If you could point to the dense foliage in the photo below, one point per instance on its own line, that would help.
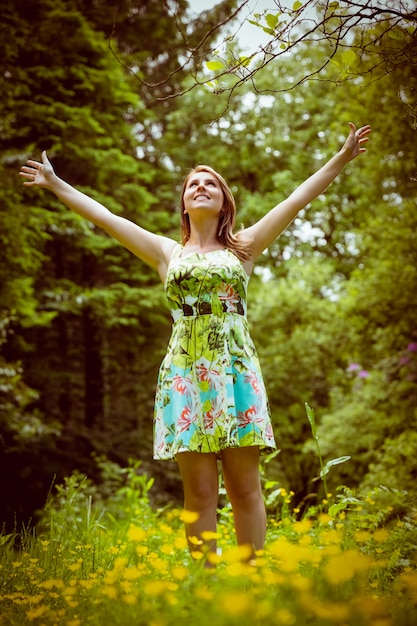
(83, 324)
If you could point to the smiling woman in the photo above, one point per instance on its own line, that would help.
(214, 228)
(211, 401)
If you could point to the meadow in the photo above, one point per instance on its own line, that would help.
(118, 560)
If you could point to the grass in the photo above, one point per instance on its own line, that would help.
(118, 561)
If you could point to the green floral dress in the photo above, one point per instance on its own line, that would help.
(210, 393)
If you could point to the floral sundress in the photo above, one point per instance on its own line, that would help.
(210, 392)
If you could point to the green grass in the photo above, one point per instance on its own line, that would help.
(118, 561)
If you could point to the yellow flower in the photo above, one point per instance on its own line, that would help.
(50, 584)
(87, 584)
(166, 549)
(180, 543)
(238, 553)
(110, 591)
(189, 517)
(235, 602)
(381, 535)
(195, 541)
(285, 617)
(155, 587)
(33, 614)
(165, 529)
(208, 535)
(136, 534)
(159, 564)
(203, 593)
(74, 567)
(361, 536)
(179, 572)
(343, 566)
(131, 573)
(129, 598)
(120, 562)
(324, 518)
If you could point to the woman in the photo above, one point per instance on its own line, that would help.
(210, 401)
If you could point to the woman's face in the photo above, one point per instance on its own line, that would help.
(203, 191)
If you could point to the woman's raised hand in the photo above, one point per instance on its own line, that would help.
(353, 145)
(38, 174)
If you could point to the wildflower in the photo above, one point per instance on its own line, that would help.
(179, 572)
(132, 573)
(74, 567)
(324, 518)
(412, 347)
(157, 587)
(120, 562)
(51, 583)
(110, 591)
(361, 536)
(238, 553)
(136, 534)
(189, 517)
(203, 593)
(195, 541)
(363, 374)
(343, 567)
(381, 535)
(180, 543)
(353, 367)
(33, 614)
(166, 549)
(207, 535)
(303, 526)
(235, 602)
(285, 617)
(129, 598)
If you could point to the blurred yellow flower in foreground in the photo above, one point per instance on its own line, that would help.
(189, 517)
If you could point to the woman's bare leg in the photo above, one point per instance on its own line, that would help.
(243, 486)
(200, 481)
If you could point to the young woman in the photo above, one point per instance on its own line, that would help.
(211, 402)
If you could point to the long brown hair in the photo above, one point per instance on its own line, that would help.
(227, 217)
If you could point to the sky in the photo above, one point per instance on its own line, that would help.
(250, 36)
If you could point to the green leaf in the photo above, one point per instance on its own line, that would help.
(255, 23)
(311, 419)
(349, 57)
(272, 20)
(396, 33)
(213, 66)
(297, 5)
(245, 60)
(329, 464)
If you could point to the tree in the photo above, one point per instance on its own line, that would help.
(364, 40)
(84, 323)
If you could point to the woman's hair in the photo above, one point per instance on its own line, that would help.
(227, 217)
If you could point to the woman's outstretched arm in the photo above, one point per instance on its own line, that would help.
(267, 229)
(154, 249)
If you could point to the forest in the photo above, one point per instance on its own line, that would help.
(126, 96)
